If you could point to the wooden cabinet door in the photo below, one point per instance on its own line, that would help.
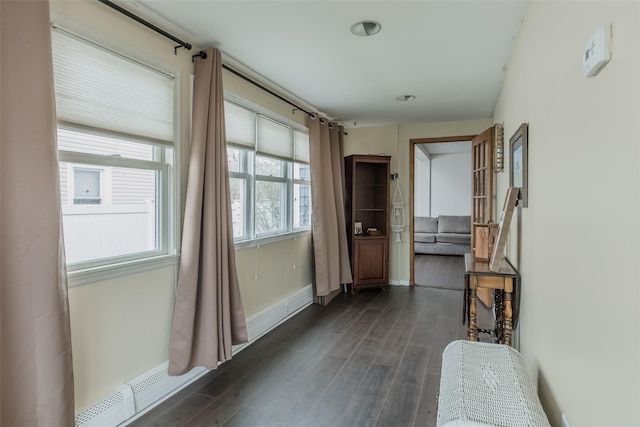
(371, 266)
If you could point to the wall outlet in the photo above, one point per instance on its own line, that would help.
(565, 421)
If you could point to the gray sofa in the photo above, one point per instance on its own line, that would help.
(444, 235)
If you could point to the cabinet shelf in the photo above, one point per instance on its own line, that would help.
(367, 205)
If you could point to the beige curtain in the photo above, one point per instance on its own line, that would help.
(208, 316)
(326, 155)
(35, 337)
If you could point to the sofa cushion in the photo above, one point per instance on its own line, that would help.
(424, 224)
(454, 224)
(425, 237)
(464, 239)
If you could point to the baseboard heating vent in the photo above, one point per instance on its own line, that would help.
(110, 411)
(156, 383)
(267, 319)
(299, 300)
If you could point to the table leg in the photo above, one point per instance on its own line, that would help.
(498, 297)
(508, 322)
(472, 333)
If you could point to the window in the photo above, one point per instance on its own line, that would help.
(301, 196)
(87, 185)
(116, 151)
(240, 189)
(268, 174)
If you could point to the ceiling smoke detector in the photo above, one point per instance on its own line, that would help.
(405, 98)
(366, 28)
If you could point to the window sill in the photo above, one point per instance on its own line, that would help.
(270, 239)
(112, 271)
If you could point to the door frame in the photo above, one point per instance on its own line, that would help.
(412, 148)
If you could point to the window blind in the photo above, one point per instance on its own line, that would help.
(274, 139)
(301, 147)
(99, 89)
(239, 125)
(246, 128)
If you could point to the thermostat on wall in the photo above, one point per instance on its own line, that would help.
(597, 51)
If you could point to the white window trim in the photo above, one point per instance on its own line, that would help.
(172, 234)
(300, 182)
(121, 269)
(259, 241)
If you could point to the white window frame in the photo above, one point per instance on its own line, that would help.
(250, 237)
(247, 175)
(286, 200)
(166, 163)
(305, 182)
(162, 187)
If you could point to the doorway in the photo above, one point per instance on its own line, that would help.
(440, 184)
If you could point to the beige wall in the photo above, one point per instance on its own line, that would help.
(120, 327)
(578, 247)
(396, 141)
(269, 273)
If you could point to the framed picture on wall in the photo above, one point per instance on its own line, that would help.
(518, 170)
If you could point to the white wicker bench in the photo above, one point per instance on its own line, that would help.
(486, 385)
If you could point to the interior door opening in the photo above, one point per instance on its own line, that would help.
(450, 176)
(442, 190)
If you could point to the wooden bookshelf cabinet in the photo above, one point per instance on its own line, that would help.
(367, 210)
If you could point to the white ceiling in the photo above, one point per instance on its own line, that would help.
(445, 148)
(450, 54)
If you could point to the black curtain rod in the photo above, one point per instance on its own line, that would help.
(203, 55)
(200, 54)
(269, 91)
(148, 25)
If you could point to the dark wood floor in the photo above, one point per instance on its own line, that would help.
(439, 271)
(370, 359)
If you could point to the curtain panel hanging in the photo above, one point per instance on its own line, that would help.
(208, 316)
(331, 254)
(35, 336)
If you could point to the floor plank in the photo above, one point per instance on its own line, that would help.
(301, 393)
(427, 411)
(365, 404)
(335, 398)
(440, 271)
(402, 400)
(178, 412)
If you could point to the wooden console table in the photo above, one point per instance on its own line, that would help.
(504, 285)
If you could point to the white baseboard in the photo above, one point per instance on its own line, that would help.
(399, 282)
(138, 396)
(270, 317)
